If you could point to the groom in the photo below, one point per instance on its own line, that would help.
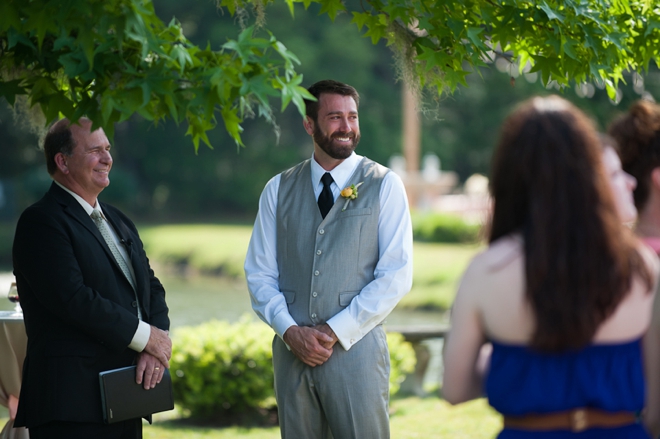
(325, 270)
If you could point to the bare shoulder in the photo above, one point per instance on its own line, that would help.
(501, 253)
(632, 315)
(496, 266)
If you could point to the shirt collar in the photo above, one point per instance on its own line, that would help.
(340, 174)
(85, 205)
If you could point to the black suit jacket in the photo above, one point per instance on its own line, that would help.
(79, 308)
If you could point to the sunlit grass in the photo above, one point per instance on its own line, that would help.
(437, 270)
(425, 418)
(209, 248)
(221, 249)
(411, 418)
(178, 430)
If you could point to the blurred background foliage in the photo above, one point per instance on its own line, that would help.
(157, 176)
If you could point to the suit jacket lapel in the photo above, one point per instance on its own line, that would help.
(72, 208)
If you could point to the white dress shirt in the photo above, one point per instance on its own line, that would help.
(143, 331)
(392, 275)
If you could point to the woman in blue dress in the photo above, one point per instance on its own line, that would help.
(560, 300)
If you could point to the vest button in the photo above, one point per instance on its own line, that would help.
(316, 273)
(314, 315)
(318, 252)
(314, 294)
(134, 304)
(321, 232)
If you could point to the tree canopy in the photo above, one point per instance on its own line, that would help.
(109, 59)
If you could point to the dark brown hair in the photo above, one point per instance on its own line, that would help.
(638, 134)
(328, 86)
(59, 139)
(549, 184)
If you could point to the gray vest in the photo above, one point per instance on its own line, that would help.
(324, 263)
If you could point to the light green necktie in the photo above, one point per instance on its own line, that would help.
(98, 220)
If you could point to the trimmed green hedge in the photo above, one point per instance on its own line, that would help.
(224, 371)
(402, 360)
(437, 227)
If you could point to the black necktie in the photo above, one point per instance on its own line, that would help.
(326, 200)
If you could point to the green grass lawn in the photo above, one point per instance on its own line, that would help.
(220, 250)
(411, 418)
(209, 248)
(437, 270)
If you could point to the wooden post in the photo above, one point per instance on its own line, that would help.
(411, 143)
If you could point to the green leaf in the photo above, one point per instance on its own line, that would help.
(473, 35)
(9, 90)
(172, 107)
(182, 57)
(232, 124)
(552, 14)
(653, 24)
(9, 16)
(332, 8)
(299, 96)
(376, 30)
(197, 128)
(260, 87)
(455, 77)
(569, 47)
(611, 89)
(87, 40)
(290, 5)
(361, 19)
(73, 64)
(107, 105)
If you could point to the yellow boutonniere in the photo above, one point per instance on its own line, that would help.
(350, 193)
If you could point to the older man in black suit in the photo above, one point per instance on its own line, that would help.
(90, 299)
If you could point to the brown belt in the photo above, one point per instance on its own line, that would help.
(576, 420)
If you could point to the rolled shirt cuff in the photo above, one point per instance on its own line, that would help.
(141, 337)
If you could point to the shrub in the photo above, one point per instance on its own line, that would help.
(402, 360)
(435, 227)
(224, 371)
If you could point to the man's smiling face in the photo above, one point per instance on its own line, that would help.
(337, 128)
(89, 165)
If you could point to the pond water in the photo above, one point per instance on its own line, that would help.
(198, 299)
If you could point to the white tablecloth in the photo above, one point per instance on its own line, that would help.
(13, 344)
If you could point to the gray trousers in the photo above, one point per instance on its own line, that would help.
(345, 398)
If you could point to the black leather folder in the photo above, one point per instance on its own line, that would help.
(122, 398)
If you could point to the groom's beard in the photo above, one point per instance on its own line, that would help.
(333, 148)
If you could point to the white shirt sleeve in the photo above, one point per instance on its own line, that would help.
(141, 337)
(261, 270)
(392, 275)
(393, 272)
